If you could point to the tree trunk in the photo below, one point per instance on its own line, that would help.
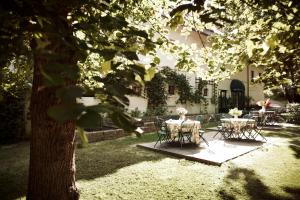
(52, 161)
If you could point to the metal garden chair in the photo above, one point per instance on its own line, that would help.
(185, 131)
(256, 131)
(201, 131)
(161, 130)
(225, 131)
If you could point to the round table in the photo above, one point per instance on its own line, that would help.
(175, 125)
(237, 123)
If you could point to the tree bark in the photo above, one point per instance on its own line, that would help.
(52, 161)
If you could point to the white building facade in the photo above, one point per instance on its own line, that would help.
(232, 92)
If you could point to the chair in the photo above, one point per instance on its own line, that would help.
(185, 131)
(162, 131)
(225, 115)
(247, 116)
(201, 131)
(255, 130)
(222, 129)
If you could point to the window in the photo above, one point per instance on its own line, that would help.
(205, 92)
(171, 89)
(252, 76)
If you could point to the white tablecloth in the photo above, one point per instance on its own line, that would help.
(175, 125)
(237, 123)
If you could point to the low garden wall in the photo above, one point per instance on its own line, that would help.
(113, 133)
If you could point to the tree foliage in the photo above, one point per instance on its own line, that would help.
(262, 33)
(104, 40)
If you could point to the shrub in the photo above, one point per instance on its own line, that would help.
(12, 123)
(136, 113)
(293, 110)
(158, 111)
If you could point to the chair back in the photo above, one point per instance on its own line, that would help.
(247, 116)
(186, 127)
(199, 118)
(203, 122)
(158, 123)
(225, 115)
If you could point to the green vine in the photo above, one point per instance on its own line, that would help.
(156, 92)
(156, 88)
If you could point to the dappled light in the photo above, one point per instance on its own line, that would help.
(150, 99)
(119, 169)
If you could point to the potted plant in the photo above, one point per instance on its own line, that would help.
(181, 112)
(235, 112)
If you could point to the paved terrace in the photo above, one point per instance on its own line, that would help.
(218, 151)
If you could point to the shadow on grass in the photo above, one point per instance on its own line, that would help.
(295, 146)
(254, 187)
(290, 132)
(14, 161)
(97, 160)
(107, 157)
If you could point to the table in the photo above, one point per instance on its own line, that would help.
(237, 125)
(265, 118)
(174, 126)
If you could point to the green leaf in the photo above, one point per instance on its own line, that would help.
(138, 32)
(250, 47)
(51, 79)
(65, 112)
(84, 139)
(138, 69)
(131, 55)
(150, 73)
(271, 41)
(90, 119)
(101, 108)
(122, 120)
(69, 94)
(265, 47)
(107, 54)
(139, 79)
(105, 67)
(156, 60)
(41, 44)
(55, 73)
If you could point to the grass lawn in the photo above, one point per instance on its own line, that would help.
(117, 169)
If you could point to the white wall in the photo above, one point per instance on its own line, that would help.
(140, 103)
(255, 90)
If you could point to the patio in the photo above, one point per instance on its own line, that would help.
(218, 151)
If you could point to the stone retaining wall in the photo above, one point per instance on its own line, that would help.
(96, 136)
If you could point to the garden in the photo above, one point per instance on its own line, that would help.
(149, 99)
(117, 169)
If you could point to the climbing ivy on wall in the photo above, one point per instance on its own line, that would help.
(156, 91)
(181, 84)
(156, 88)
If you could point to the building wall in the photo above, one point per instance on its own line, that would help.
(137, 102)
(255, 90)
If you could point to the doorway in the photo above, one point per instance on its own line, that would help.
(223, 102)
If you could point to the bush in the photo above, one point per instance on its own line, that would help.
(158, 111)
(136, 113)
(12, 123)
(293, 110)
